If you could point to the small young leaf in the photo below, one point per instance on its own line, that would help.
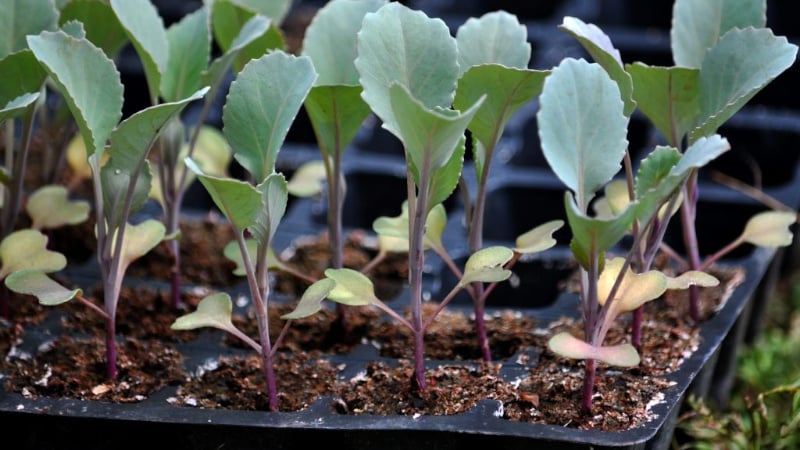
(237, 199)
(769, 229)
(595, 235)
(568, 346)
(692, 278)
(397, 227)
(139, 240)
(312, 298)
(352, 287)
(231, 251)
(538, 239)
(49, 207)
(486, 265)
(635, 290)
(308, 180)
(274, 197)
(212, 311)
(27, 249)
(37, 283)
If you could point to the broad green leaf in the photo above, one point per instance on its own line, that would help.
(352, 287)
(336, 113)
(18, 106)
(698, 24)
(190, 47)
(308, 179)
(37, 283)
(330, 40)
(538, 239)
(494, 38)
(101, 24)
(228, 18)
(274, 196)
(429, 135)
(446, 178)
(594, 236)
(599, 46)
(212, 311)
(27, 249)
(275, 9)
(145, 29)
(506, 89)
(49, 207)
(769, 229)
(741, 64)
(486, 265)
(692, 278)
(252, 29)
(238, 200)
(400, 45)
(312, 298)
(261, 105)
(22, 75)
(139, 239)
(20, 18)
(568, 346)
(582, 127)
(668, 96)
(701, 152)
(635, 289)
(130, 144)
(88, 81)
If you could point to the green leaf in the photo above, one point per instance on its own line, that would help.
(445, 179)
(735, 70)
(145, 29)
(18, 106)
(635, 289)
(254, 28)
(654, 169)
(27, 249)
(238, 200)
(139, 239)
(668, 96)
(582, 127)
(20, 18)
(506, 89)
(622, 355)
(275, 10)
(190, 47)
(352, 287)
(274, 196)
(312, 298)
(397, 227)
(37, 283)
(539, 238)
(49, 207)
(102, 26)
(330, 40)
(599, 46)
(87, 79)
(494, 38)
(22, 76)
(336, 113)
(308, 179)
(486, 265)
(692, 278)
(698, 24)
(229, 17)
(429, 136)
(212, 311)
(261, 106)
(769, 229)
(594, 236)
(400, 45)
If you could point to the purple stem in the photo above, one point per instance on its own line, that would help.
(111, 347)
(589, 374)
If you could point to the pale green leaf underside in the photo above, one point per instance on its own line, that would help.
(312, 298)
(37, 283)
(539, 238)
(582, 127)
(486, 265)
(692, 278)
(87, 79)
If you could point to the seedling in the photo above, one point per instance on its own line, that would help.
(260, 107)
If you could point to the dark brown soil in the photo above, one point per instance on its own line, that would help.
(550, 393)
